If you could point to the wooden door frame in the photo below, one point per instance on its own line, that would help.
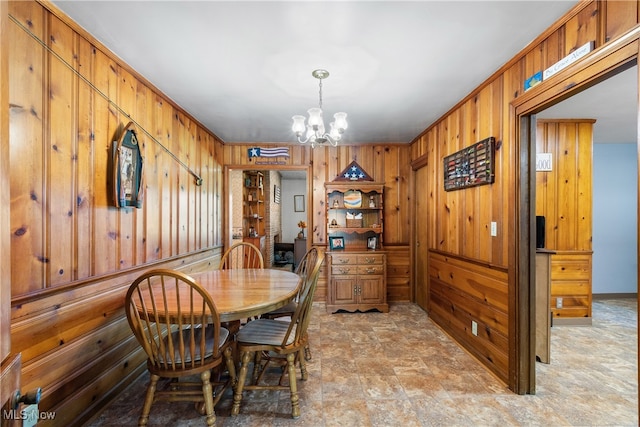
(417, 164)
(610, 59)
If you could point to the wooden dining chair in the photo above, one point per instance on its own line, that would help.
(242, 255)
(303, 269)
(276, 338)
(177, 324)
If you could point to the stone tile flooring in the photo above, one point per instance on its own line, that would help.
(400, 369)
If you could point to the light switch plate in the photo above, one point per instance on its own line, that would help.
(494, 228)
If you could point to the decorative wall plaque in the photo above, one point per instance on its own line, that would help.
(127, 170)
(471, 166)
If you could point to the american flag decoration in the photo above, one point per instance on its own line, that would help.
(268, 152)
(353, 172)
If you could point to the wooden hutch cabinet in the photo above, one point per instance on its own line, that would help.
(253, 209)
(356, 262)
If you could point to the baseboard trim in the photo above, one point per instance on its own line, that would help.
(614, 296)
(571, 321)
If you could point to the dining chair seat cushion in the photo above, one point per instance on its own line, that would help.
(197, 334)
(284, 310)
(265, 331)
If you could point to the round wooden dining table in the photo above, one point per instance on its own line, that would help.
(244, 293)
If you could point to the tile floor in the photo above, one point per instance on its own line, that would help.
(400, 369)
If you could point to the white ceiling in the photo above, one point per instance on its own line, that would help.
(244, 68)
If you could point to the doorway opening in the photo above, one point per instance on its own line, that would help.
(264, 206)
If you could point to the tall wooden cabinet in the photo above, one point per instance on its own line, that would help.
(253, 209)
(356, 262)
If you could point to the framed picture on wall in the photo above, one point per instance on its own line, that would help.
(336, 242)
(276, 194)
(372, 243)
(298, 203)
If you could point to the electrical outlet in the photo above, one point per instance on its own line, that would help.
(474, 328)
(494, 228)
(558, 302)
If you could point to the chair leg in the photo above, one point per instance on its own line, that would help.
(303, 365)
(307, 353)
(231, 365)
(207, 392)
(148, 400)
(242, 376)
(291, 366)
(257, 368)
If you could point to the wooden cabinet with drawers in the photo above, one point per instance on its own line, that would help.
(357, 281)
(355, 259)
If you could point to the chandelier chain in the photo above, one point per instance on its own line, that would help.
(320, 97)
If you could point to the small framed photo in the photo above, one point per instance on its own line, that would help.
(298, 203)
(336, 242)
(372, 243)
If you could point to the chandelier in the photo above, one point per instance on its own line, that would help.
(315, 131)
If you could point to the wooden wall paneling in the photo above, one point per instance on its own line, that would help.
(462, 292)
(193, 161)
(84, 200)
(582, 28)
(470, 200)
(571, 281)
(619, 17)
(165, 178)
(181, 201)
(398, 274)
(584, 192)
(73, 359)
(434, 182)
(545, 181)
(142, 114)
(501, 202)
(550, 192)
(26, 119)
(404, 195)
(219, 191)
(105, 123)
(567, 183)
(149, 217)
(51, 329)
(60, 157)
(392, 203)
(201, 166)
(93, 388)
(173, 145)
(320, 168)
(453, 205)
(126, 100)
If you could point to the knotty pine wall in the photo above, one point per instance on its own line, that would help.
(73, 255)
(564, 196)
(472, 275)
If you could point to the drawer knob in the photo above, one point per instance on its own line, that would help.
(370, 260)
(344, 260)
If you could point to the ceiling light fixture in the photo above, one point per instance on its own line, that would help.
(315, 131)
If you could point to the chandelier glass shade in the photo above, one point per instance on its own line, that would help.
(314, 131)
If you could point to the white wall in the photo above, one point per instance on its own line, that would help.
(615, 258)
(290, 188)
